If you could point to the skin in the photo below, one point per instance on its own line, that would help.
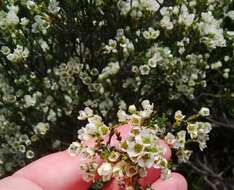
(60, 171)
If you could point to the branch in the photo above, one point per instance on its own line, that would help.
(220, 124)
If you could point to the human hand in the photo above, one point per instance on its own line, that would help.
(60, 171)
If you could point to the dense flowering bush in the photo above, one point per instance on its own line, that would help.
(58, 57)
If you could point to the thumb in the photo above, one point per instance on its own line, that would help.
(112, 185)
(175, 182)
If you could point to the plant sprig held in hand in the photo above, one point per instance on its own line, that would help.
(129, 159)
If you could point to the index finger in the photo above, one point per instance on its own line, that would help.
(58, 171)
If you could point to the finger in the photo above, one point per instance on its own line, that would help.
(18, 183)
(112, 185)
(175, 182)
(58, 171)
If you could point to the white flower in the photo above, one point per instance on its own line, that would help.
(25, 53)
(40, 25)
(114, 156)
(118, 171)
(103, 130)
(216, 65)
(122, 116)
(74, 149)
(54, 6)
(30, 4)
(144, 69)
(151, 33)
(86, 113)
(87, 153)
(179, 116)
(91, 128)
(132, 109)
(145, 114)
(134, 149)
(88, 177)
(44, 45)
(146, 160)
(192, 130)
(41, 128)
(52, 115)
(146, 105)
(152, 62)
(186, 18)
(111, 69)
(29, 101)
(105, 169)
(111, 47)
(165, 173)
(24, 21)
(211, 30)
(166, 23)
(88, 132)
(153, 5)
(204, 127)
(5, 50)
(230, 14)
(180, 139)
(12, 18)
(183, 155)
(95, 119)
(170, 139)
(145, 137)
(204, 111)
(161, 163)
(88, 170)
(136, 120)
(30, 154)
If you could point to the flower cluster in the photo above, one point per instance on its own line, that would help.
(20, 54)
(128, 159)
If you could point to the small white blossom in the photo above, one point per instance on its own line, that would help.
(86, 113)
(122, 116)
(151, 34)
(134, 149)
(204, 111)
(12, 18)
(170, 139)
(186, 18)
(54, 6)
(230, 14)
(180, 139)
(41, 128)
(105, 170)
(132, 109)
(183, 155)
(29, 100)
(74, 149)
(146, 160)
(165, 174)
(166, 23)
(179, 116)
